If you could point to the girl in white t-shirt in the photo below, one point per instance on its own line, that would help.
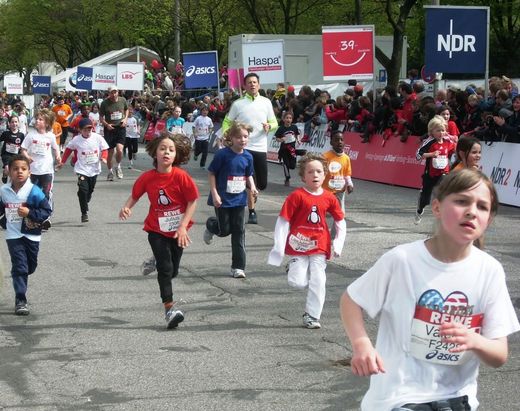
(444, 308)
(38, 147)
(132, 137)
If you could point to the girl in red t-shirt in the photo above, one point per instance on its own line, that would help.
(173, 197)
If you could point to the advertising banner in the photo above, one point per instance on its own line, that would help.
(84, 78)
(41, 85)
(103, 77)
(13, 84)
(348, 52)
(264, 58)
(456, 39)
(130, 76)
(500, 163)
(200, 69)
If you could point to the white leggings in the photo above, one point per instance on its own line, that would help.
(309, 271)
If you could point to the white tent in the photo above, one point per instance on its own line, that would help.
(136, 53)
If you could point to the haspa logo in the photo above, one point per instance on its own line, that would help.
(111, 77)
(37, 84)
(83, 77)
(199, 70)
(128, 75)
(264, 61)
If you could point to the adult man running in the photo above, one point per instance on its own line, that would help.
(257, 112)
(113, 114)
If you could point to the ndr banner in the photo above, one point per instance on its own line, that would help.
(13, 85)
(200, 69)
(348, 52)
(264, 58)
(456, 39)
(41, 85)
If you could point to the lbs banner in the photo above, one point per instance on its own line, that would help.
(200, 69)
(456, 39)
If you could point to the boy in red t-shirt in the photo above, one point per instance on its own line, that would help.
(302, 233)
(437, 150)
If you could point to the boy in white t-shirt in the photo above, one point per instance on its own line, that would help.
(38, 147)
(90, 150)
(202, 129)
(132, 136)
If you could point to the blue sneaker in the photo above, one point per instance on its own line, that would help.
(173, 318)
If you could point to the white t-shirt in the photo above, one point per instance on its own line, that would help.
(132, 130)
(95, 118)
(40, 148)
(202, 126)
(412, 290)
(22, 123)
(88, 153)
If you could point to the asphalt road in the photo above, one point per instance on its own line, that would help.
(96, 338)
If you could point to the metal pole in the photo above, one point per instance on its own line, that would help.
(177, 46)
(435, 81)
(486, 74)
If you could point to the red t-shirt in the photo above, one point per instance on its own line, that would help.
(169, 194)
(306, 213)
(441, 164)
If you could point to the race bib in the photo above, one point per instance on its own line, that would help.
(40, 147)
(170, 221)
(236, 184)
(426, 343)
(90, 157)
(61, 113)
(301, 243)
(116, 116)
(11, 213)
(337, 183)
(440, 162)
(12, 148)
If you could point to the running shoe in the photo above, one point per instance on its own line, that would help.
(238, 273)
(110, 175)
(148, 266)
(119, 172)
(252, 218)
(311, 322)
(208, 236)
(21, 308)
(84, 218)
(418, 217)
(173, 318)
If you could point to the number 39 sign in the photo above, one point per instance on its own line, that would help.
(348, 52)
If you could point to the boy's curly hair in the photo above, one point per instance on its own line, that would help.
(307, 158)
(182, 147)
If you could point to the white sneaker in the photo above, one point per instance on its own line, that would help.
(238, 273)
(110, 175)
(173, 318)
(418, 217)
(119, 172)
(311, 322)
(131, 164)
(148, 266)
(208, 236)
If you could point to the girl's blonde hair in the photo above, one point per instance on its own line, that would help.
(234, 131)
(48, 116)
(435, 123)
(463, 180)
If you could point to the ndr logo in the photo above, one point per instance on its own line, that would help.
(455, 42)
(199, 70)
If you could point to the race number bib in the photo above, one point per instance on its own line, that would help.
(337, 183)
(40, 147)
(116, 116)
(301, 243)
(170, 221)
(61, 113)
(426, 343)
(236, 184)
(11, 213)
(440, 162)
(90, 157)
(12, 148)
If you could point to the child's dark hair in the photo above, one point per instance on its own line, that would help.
(307, 158)
(336, 134)
(234, 130)
(464, 145)
(182, 147)
(462, 180)
(19, 157)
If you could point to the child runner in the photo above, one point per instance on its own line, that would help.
(469, 151)
(202, 129)
(287, 135)
(301, 232)
(4, 119)
(437, 150)
(230, 172)
(90, 150)
(173, 197)
(444, 308)
(132, 136)
(12, 139)
(338, 179)
(38, 148)
(23, 207)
